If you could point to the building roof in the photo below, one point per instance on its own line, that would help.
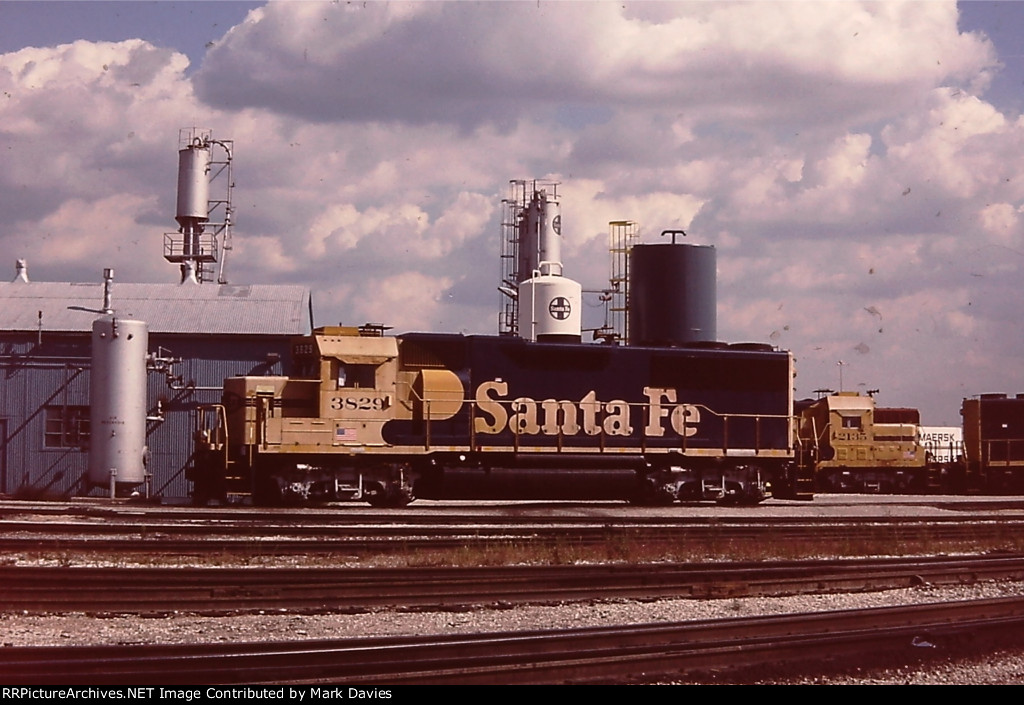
(254, 309)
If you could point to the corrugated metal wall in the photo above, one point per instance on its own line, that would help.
(55, 375)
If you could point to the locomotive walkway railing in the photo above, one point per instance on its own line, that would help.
(522, 420)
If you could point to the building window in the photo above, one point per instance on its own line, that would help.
(66, 427)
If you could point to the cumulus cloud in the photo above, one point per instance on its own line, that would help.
(500, 61)
(842, 157)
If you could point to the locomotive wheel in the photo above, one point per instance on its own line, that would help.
(391, 496)
(738, 497)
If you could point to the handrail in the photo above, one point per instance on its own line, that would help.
(602, 435)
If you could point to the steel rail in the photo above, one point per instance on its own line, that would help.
(309, 526)
(150, 590)
(368, 539)
(512, 512)
(581, 655)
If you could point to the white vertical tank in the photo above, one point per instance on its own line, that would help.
(193, 183)
(549, 308)
(193, 195)
(117, 401)
(549, 304)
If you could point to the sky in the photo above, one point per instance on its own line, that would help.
(853, 163)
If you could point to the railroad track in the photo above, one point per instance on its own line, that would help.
(612, 654)
(511, 513)
(270, 538)
(151, 590)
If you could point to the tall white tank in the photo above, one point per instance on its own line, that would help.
(549, 309)
(193, 183)
(117, 401)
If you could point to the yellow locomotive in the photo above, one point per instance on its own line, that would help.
(855, 446)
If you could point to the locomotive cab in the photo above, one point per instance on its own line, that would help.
(859, 447)
(306, 437)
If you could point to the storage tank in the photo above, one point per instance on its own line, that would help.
(549, 309)
(193, 196)
(193, 183)
(117, 402)
(540, 235)
(672, 294)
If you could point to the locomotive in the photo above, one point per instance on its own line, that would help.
(855, 446)
(381, 418)
(385, 418)
(852, 445)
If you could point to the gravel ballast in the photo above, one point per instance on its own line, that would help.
(1002, 667)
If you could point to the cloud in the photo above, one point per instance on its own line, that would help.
(841, 157)
(82, 237)
(470, 63)
(84, 120)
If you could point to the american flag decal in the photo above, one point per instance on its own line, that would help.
(342, 435)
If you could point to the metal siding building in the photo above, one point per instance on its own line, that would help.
(45, 340)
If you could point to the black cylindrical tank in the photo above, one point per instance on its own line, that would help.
(672, 294)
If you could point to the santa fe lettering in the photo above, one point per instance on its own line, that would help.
(552, 417)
